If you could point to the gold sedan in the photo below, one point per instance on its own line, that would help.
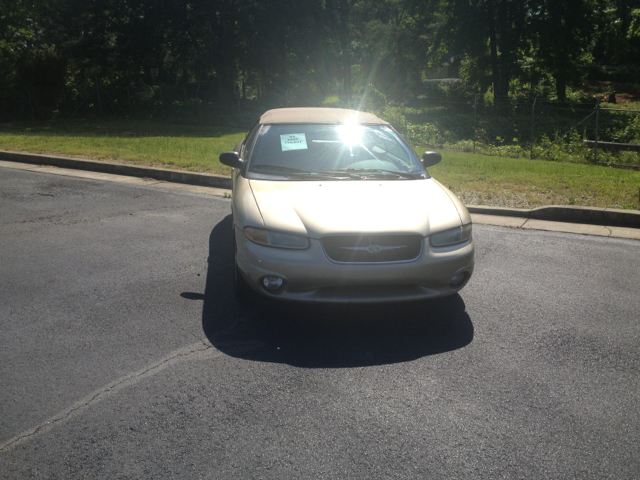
(333, 205)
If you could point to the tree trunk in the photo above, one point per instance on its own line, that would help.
(226, 81)
(244, 84)
(561, 85)
(505, 79)
(493, 45)
(505, 46)
(346, 50)
(347, 80)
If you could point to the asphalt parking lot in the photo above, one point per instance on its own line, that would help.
(123, 354)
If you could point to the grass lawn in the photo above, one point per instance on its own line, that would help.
(184, 147)
(517, 182)
(477, 179)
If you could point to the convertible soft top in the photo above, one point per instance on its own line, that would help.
(327, 116)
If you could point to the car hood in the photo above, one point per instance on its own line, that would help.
(316, 208)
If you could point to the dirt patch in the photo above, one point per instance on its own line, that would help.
(624, 93)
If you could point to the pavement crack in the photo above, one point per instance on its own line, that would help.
(198, 350)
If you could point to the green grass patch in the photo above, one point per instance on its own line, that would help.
(518, 182)
(476, 179)
(184, 147)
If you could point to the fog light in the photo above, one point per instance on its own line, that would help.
(272, 283)
(458, 279)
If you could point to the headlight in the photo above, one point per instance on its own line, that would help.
(275, 239)
(451, 236)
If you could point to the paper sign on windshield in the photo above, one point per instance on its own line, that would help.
(293, 141)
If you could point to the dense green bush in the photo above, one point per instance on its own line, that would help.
(558, 129)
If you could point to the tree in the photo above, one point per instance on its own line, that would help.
(32, 66)
(562, 37)
(617, 32)
(489, 32)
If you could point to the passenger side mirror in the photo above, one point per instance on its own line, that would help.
(231, 159)
(429, 159)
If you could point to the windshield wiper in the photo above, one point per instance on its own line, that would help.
(364, 171)
(280, 168)
(358, 173)
(299, 173)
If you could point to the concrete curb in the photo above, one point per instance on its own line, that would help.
(557, 213)
(567, 213)
(176, 176)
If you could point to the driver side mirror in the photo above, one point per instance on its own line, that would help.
(231, 159)
(429, 159)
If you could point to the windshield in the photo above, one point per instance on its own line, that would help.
(301, 152)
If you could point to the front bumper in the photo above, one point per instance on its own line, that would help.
(309, 275)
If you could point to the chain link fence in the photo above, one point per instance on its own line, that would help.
(516, 127)
(202, 103)
(533, 128)
(192, 103)
(617, 138)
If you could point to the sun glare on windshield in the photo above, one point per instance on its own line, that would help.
(350, 134)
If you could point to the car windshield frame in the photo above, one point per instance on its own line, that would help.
(309, 151)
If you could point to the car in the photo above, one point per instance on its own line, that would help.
(333, 205)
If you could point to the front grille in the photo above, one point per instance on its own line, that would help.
(372, 248)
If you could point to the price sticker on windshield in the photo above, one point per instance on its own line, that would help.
(293, 141)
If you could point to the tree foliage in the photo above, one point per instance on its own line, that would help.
(311, 47)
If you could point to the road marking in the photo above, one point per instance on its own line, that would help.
(200, 350)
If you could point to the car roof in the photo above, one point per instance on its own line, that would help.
(328, 116)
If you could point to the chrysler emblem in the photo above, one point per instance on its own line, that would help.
(373, 249)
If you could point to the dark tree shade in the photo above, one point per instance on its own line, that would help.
(305, 49)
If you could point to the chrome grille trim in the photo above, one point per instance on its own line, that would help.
(356, 249)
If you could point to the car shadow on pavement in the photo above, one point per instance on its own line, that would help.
(323, 336)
